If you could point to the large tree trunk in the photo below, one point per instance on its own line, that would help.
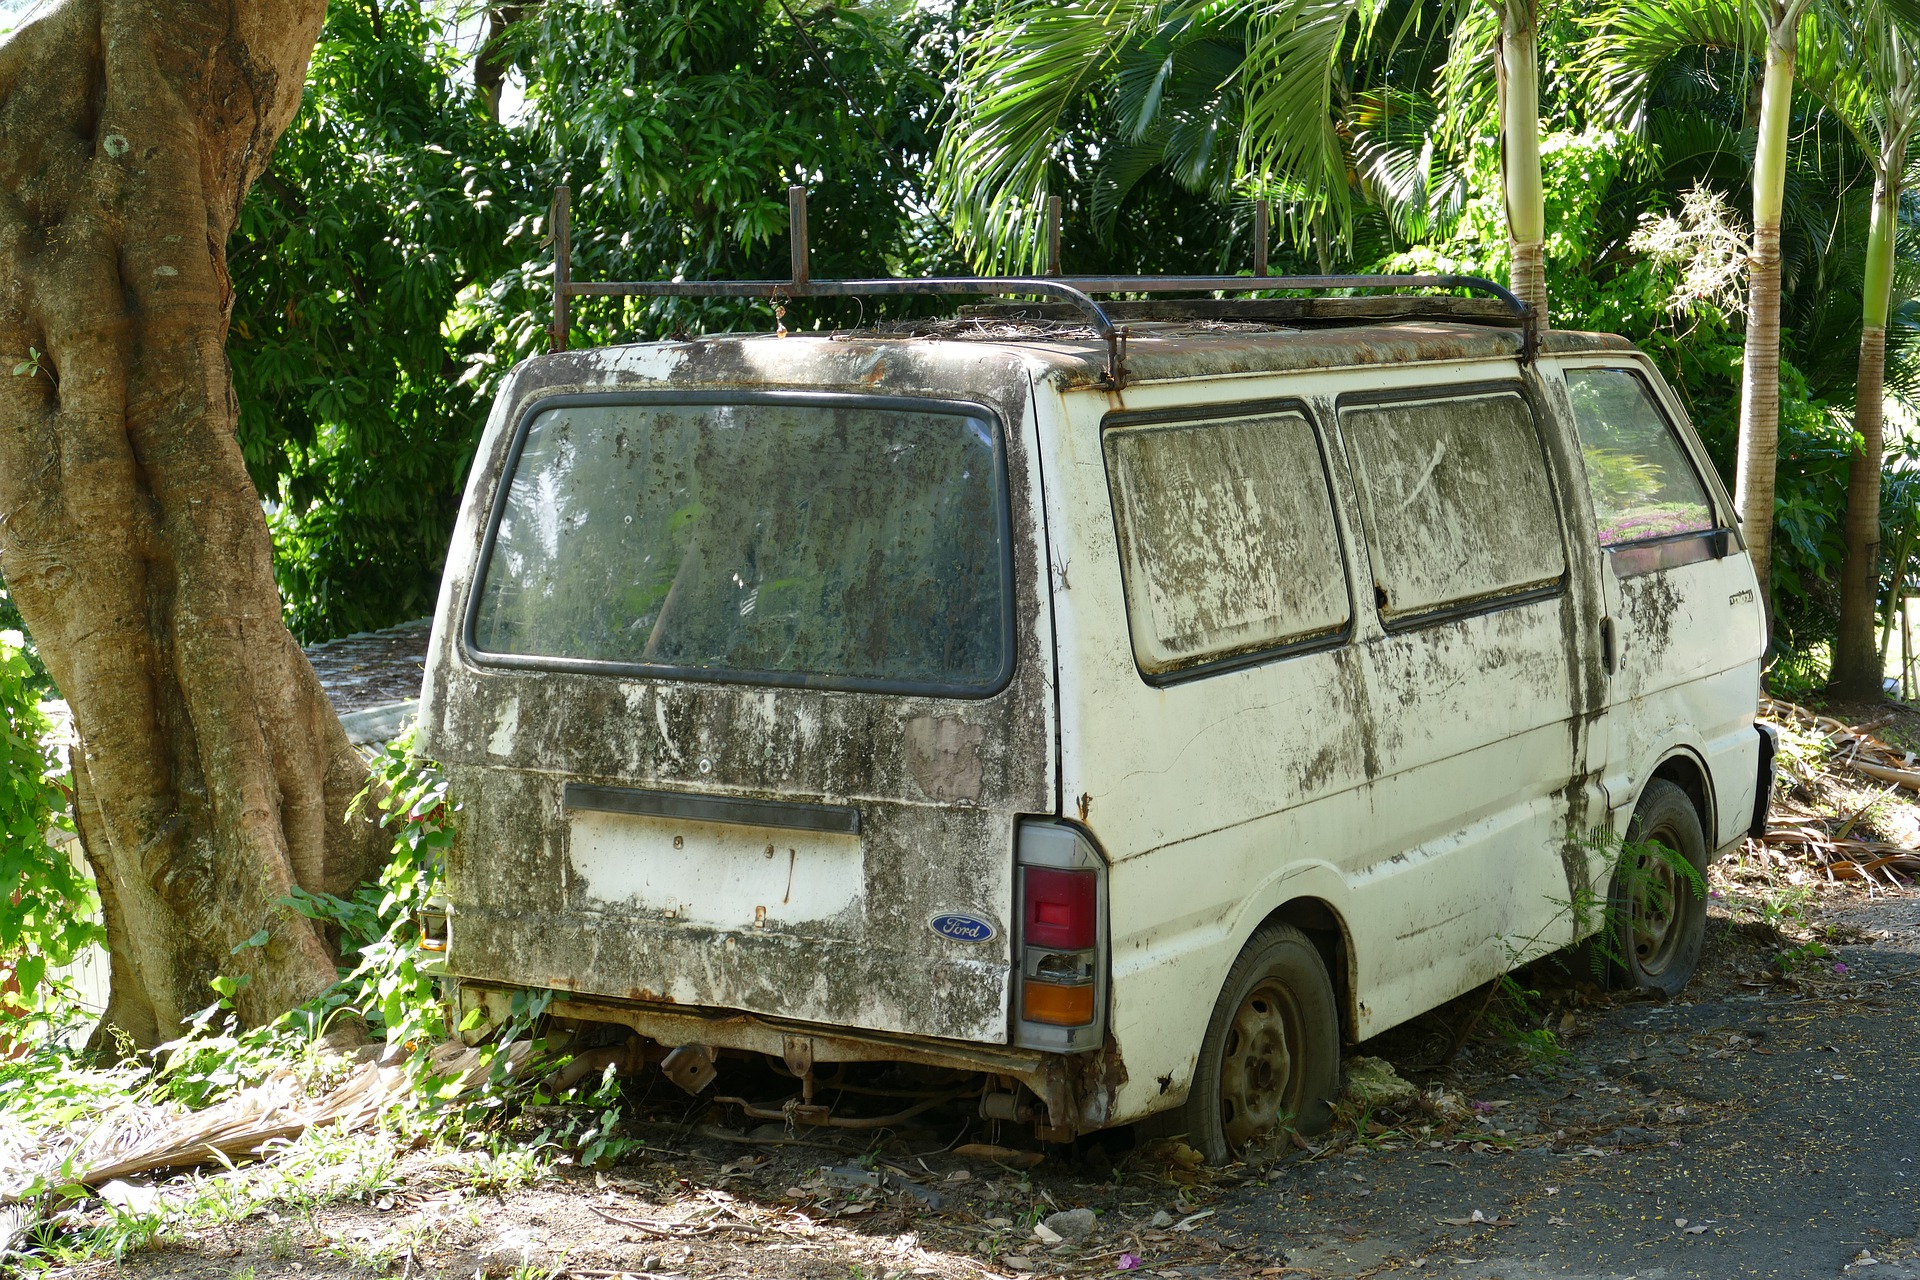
(1857, 666)
(1518, 66)
(1759, 447)
(213, 777)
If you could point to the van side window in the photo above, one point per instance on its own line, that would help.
(1227, 539)
(1642, 483)
(1455, 498)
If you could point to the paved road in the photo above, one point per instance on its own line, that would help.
(1782, 1127)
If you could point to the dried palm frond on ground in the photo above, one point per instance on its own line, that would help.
(139, 1136)
(1817, 812)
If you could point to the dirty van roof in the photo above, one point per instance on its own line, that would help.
(1154, 350)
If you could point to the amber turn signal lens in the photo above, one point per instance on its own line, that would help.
(1057, 1006)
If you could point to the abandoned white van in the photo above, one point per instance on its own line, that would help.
(1127, 723)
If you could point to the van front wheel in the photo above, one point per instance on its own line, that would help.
(1271, 1059)
(1658, 893)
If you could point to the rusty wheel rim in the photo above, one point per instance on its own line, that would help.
(1259, 1085)
(1654, 902)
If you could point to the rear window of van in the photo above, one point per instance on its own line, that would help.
(801, 540)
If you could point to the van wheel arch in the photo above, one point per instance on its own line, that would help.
(1327, 930)
(1685, 771)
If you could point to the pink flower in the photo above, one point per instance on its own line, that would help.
(1128, 1261)
(1838, 967)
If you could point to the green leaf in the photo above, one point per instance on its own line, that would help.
(259, 939)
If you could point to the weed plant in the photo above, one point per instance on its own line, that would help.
(1595, 918)
(52, 913)
(389, 991)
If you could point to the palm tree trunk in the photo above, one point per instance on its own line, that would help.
(1519, 70)
(1856, 668)
(1760, 386)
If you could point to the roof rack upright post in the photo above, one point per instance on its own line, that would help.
(797, 229)
(1262, 211)
(559, 230)
(1053, 235)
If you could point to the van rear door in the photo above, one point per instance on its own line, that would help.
(749, 689)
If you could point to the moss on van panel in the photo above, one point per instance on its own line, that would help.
(938, 781)
(523, 913)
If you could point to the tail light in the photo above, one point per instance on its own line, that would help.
(1060, 991)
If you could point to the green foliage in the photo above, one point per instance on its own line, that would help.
(386, 979)
(386, 209)
(393, 983)
(679, 127)
(10, 620)
(48, 909)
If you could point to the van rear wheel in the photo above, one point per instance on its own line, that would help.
(1271, 1059)
(1660, 909)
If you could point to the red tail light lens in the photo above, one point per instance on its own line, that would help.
(1061, 909)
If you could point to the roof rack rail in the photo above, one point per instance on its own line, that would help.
(1074, 291)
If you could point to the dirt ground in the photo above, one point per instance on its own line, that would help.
(1763, 1124)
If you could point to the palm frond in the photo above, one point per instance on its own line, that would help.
(1393, 143)
(1293, 91)
(1631, 40)
(1033, 65)
(1469, 89)
(1174, 107)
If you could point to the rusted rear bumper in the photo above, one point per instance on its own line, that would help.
(1047, 1075)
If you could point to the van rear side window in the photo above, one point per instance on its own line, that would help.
(1456, 500)
(1227, 538)
(832, 541)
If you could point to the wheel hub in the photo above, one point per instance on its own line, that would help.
(1653, 902)
(1258, 1083)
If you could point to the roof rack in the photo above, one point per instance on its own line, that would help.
(1074, 291)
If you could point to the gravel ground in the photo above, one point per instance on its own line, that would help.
(1761, 1133)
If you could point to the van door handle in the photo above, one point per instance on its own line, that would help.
(1606, 643)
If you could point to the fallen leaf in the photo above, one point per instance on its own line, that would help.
(1186, 1223)
(1173, 1151)
(1046, 1234)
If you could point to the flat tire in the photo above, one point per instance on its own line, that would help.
(1271, 1059)
(1659, 911)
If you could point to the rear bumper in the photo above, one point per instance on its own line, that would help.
(1048, 1075)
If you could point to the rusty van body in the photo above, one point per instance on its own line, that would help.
(932, 699)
